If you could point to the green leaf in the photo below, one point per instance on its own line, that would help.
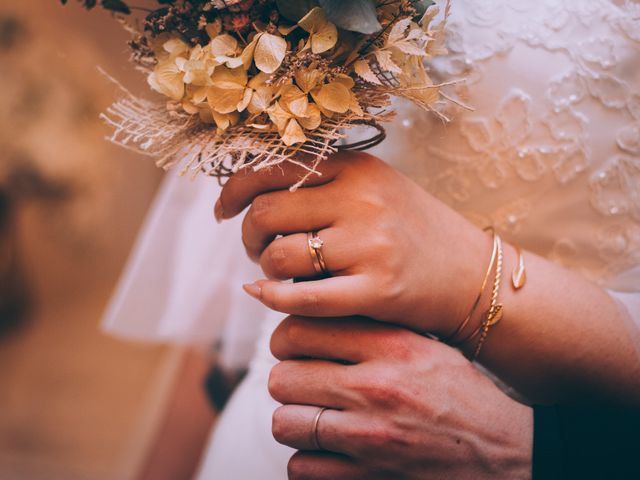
(294, 10)
(353, 15)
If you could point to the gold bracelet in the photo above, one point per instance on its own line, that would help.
(494, 314)
(463, 325)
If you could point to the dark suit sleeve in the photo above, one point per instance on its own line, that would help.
(586, 443)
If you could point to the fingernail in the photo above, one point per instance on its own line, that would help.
(218, 211)
(253, 289)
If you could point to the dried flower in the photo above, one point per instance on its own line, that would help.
(274, 77)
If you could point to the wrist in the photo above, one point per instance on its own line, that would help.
(474, 277)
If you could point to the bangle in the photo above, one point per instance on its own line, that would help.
(494, 254)
(494, 314)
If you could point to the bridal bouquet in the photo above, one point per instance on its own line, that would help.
(256, 83)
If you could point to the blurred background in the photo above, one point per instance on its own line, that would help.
(74, 403)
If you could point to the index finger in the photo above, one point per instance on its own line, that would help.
(244, 186)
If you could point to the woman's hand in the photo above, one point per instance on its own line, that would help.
(398, 406)
(399, 255)
(395, 253)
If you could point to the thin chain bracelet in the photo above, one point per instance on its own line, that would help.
(494, 314)
(451, 339)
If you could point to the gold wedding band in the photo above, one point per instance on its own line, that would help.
(314, 430)
(315, 245)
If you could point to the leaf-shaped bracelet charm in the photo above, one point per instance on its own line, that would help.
(519, 274)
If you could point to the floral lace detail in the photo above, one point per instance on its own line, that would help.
(566, 69)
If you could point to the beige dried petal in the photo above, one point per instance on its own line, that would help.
(246, 98)
(270, 52)
(308, 78)
(197, 73)
(225, 77)
(294, 100)
(189, 107)
(334, 97)
(198, 94)
(224, 100)
(260, 100)
(323, 33)
(279, 116)
(363, 70)
(231, 62)
(206, 116)
(293, 134)
(260, 126)
(224, 44)
(285, 30)
(313, 118)
(167, 79)
(259, 80)
(222, 121)
(345, 80)
(175, 46)
(248, 52)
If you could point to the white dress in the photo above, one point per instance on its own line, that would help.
(550, 156)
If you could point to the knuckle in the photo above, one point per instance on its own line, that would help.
(384, 390)
(380, 438)
(276, 261)
(390, 288)
(260, 211)
(399, 343)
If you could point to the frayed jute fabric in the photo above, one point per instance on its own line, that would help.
(177, 139)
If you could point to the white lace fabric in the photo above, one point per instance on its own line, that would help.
(551, 153)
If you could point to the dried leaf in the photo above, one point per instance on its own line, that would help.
(363, 70)
(410, 48)
(397, 31)
(384, 59)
